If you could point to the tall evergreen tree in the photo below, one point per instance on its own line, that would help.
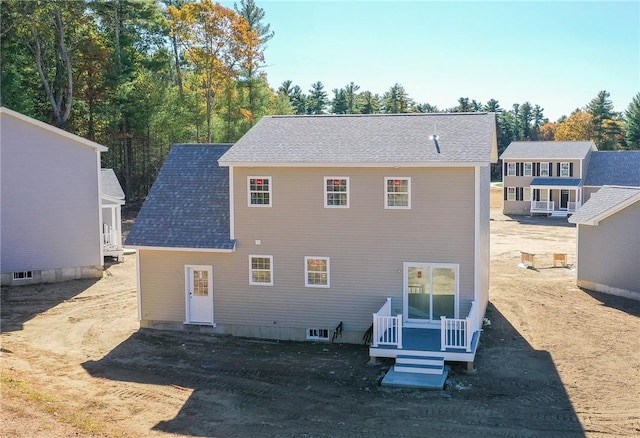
(317, 100)
(601, 110)
(632, 123)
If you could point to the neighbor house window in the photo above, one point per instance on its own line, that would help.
(544, 169)
(259, 191)
(261, 270)
(336, 192)
(528, 169)
(397, 192)
(318, 334)
(23, 275)
(316, 272)
(565, 169)
(526, 194)
(511, 193)
(511, 169)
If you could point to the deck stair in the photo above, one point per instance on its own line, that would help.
(559, 213)
(417, 371)
(419, 364)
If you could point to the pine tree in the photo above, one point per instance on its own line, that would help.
(632, 123)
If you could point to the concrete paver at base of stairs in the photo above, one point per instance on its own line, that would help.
(415, 380)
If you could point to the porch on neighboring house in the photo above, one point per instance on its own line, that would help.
(111, 230)
(421, 352)
(555, 196)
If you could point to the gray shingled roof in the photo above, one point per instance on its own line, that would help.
(110, 184)
(367, 139)
(614, 168)
(188, 204)
(556, 182)
(534, 150)
(603, 201)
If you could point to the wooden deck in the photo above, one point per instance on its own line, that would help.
(426, 342)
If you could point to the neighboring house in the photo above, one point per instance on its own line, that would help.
(112, 202)
(544, 176)
(50, 216)
(608, 242)
(611, 168)
(323, 227)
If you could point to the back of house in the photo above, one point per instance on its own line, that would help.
(309, 223)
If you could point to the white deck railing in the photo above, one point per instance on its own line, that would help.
(541, 205)
(111, 237)
(458, 333)
(571, 206)
(387, 329)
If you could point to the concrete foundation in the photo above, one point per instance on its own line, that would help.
(53, 275)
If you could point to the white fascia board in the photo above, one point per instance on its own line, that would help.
(180, 249)
(53, 129)
(355, 164)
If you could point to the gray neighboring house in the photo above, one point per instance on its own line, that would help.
(544, 177)
(327, 227)
(611, 168)
(50, 215)
(113, 199)
(608, 242)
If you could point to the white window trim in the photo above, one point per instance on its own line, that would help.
(526, 194)
(544, 168)
(315, 333)
(256, 283)
(249, 178)
(23, 275)
(324, 189)
(562, 164)
(387, 193)
(511, 191)
(306, 272)
(511, 169)
(524, 169)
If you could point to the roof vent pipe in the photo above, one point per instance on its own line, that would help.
(434, 137)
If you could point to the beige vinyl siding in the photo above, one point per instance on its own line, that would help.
(608, 253)
(366, 243)
(50, 215)
(484, 232)
(588, 191)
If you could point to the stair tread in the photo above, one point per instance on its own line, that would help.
(419, 365)
(412, 356)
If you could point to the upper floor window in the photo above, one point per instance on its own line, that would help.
(316, 271)
(259, 191)
(565, 169)
(511, 169)
(336, 192)
(528, 169)
(544, 169)
(397, 192)
(261, 270)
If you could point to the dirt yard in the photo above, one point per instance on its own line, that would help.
(555, 361)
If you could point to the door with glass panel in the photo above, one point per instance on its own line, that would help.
(199, 285)
(430, 291)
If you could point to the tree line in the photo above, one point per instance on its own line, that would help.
(140, 75)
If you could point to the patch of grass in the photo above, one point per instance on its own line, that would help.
(21, 391)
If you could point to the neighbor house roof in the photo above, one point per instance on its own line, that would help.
(620, 168)
(605, 202)
(555, 182)
(57, 131)
(110, 184)
(540, 150)
(188, 204)
(368, 140)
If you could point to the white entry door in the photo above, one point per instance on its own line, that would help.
(199, 292)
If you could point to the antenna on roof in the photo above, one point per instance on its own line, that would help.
(434, 137)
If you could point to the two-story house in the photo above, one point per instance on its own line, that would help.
(544, 176)
(327, 228)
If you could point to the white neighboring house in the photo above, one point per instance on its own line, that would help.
(609, 241)
(51, 208)
(112, 201)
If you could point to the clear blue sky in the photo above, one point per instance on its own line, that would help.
(557, 54)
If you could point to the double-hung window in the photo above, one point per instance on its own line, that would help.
(511, 193)
(565, 169)
(397, 192)
(316, 272)
(511, 169)
(259, 189)
(544, 169)
(526, 194)
(336, 192)
(528, 169)
(261, 270)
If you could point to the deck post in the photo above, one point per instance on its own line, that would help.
(399, 323)
(443, 334)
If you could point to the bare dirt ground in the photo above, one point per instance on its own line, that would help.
(555, 361)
